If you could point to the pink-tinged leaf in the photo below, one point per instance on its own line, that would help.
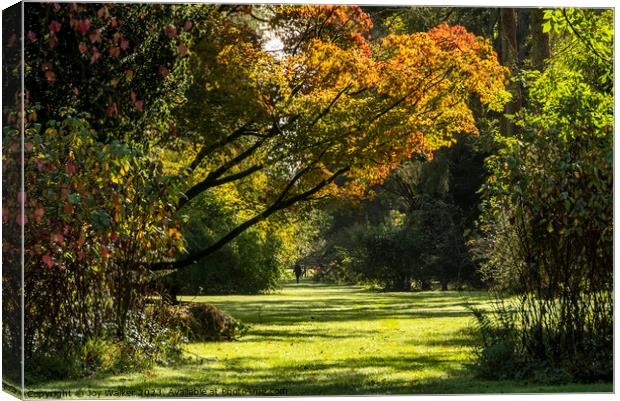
(114, 51)
(55, 26)
(31, 36)
(21, 219)
(5, 214)
(82, 47)
(182, 49)
(70, 167)
(84, 26)
(133, 96)
(124, 44)
(96, 55)
(28, 146)
(53, 41)
(94, 36)
(105, 252)
(112, 110)
(163, 71)
(113, 22)
(103, 12)
(81, 255)
(38, 214)
(50, 76)
(139, 104)
(171, 31)
(188, 25)
(59, 238)
(113, 236)
(47, 259)
(21, 197)
(68, 208)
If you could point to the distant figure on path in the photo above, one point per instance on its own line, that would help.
(297, 270)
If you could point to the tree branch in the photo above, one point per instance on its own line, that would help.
(212, 177)
(207, 150)
(279, 204)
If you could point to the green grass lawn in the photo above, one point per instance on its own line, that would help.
(312, 339)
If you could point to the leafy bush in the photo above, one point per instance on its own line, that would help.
(248, 265)
(504, 352)
(338, 273)
(547, 221)
(147, 343)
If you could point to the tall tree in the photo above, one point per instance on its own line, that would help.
(330, 113)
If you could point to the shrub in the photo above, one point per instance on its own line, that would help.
(147, 343)
(202, 322)
(337, 273)
(547, 219)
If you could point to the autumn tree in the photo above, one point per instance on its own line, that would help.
(329, 113)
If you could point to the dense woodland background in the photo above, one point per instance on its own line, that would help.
(207, 149)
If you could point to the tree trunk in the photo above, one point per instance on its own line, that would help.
(425, 285)
(541, 47)
(508, 55)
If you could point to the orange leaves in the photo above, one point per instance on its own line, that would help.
(342, 103)
(346, 25)
(410, 96)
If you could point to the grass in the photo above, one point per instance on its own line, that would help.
(313, 339)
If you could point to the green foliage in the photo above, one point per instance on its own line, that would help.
(147, 343)
(257, 259)
(587, 37)
(246, 266)
(437, 202)
(339, 273)
(390, 254)
(548, 216)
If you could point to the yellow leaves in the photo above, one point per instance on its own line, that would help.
(124, 169)
(174, 233)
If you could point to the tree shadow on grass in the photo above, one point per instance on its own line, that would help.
(352, 376)
(339, 310)
(344, 377)
(242, 375)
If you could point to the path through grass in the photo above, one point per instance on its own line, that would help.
(312, 339)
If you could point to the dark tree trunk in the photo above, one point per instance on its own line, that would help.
(523, 31)
(541, 47)
(425, 285)
(509, 56)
